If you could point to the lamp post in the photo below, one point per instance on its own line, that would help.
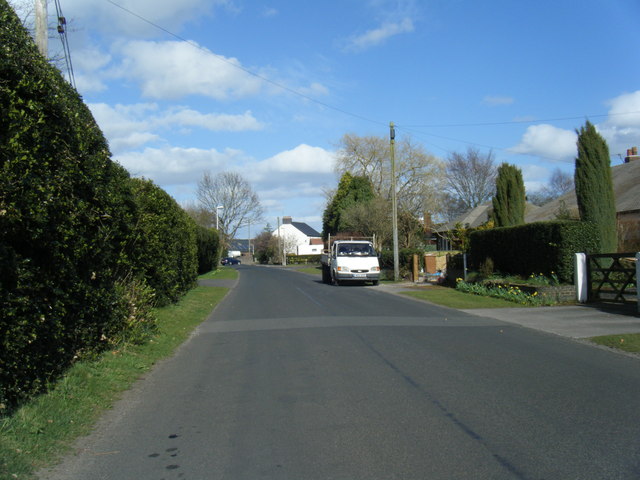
(219, 207)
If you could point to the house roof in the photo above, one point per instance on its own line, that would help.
(306, 229)
(477, 216)
(626, 189)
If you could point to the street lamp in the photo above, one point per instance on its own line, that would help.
(219, 207)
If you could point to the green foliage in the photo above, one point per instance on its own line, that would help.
(507, 292)
(81, 257)
(352, 190)
(594, 187)
(303, 259)
(165, 239)
(208, 243)
(509, 201)
(65, 216)
(543, 247)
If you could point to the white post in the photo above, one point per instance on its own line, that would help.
(638, 277)
(581, 280)
(42, 27)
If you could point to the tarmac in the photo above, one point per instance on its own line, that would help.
(574, 321)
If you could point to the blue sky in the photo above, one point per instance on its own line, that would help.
(268, 88)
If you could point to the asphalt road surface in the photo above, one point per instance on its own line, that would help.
(294, 379)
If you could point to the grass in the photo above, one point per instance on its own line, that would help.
(45, 428)
(222, 273)
(629, 342)
(452, 298)
(311, 270)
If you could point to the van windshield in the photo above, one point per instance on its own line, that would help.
(356, 250)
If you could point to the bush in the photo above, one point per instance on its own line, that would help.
(303, 259)
(208, 242)
(165, 251)
(66, 214)
(542, 247)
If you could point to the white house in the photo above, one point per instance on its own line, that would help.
(299, 238)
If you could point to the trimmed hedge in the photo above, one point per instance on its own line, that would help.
(84, 249)
(165, 243)
(65, 217)
(541, 247)
(302, 259)
(208, 249)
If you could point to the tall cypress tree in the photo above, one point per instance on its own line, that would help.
(509, 201)
(594, 187)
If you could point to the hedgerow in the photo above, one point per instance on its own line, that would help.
(84, 249)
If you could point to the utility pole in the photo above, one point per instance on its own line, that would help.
(41, 28)
(394, 204)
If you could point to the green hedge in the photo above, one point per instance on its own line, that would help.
(165, 243)
(302, 259)
(541, 247)
(83, 248)
(208, 249)
(65, 214)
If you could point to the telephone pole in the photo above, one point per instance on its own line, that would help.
(394, 204)
(41, 28)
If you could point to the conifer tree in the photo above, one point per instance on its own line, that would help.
(594, 187)
(509, 201)
(351, 190)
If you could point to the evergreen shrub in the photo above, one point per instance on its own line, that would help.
(65, 218)
(165, 252)
(208, 242)
(541, 247)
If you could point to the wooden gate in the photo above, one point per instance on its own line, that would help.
(612, 278)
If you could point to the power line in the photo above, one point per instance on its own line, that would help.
(62, 23)
(246, 70)
(519, 122)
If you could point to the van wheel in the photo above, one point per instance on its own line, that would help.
(375, 283)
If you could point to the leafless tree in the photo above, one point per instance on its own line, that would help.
(559, 184)
(229, 190)
(471, 177)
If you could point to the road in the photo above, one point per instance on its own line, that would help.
(294, 379)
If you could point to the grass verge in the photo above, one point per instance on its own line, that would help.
(629, 342)
(453, 298)
(311, 270)
(45, 428)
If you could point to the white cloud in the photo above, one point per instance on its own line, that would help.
(175, 165)
(211, 121)
(496, 100)
(171, 69)
(621, 130)
(132, 126)
(135, 17)
(547, 141)
(301, 159)
(379, 35)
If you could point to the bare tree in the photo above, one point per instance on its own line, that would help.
(471, 177)
(559, 184)
(240, 204)
(419, 175)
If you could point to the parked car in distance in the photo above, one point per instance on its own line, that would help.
(230, 261)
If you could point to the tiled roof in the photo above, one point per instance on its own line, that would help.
(626, 189)
(306, 229)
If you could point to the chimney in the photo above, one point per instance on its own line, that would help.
(632, 155)
(286, 220)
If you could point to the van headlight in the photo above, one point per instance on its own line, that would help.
(343, 269)
(375, 269)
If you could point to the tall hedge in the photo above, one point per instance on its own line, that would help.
(165, 250)
(65, 218)
(541, 247)
(594, 187)
(208, 249)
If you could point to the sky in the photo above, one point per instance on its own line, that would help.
(268, 88)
